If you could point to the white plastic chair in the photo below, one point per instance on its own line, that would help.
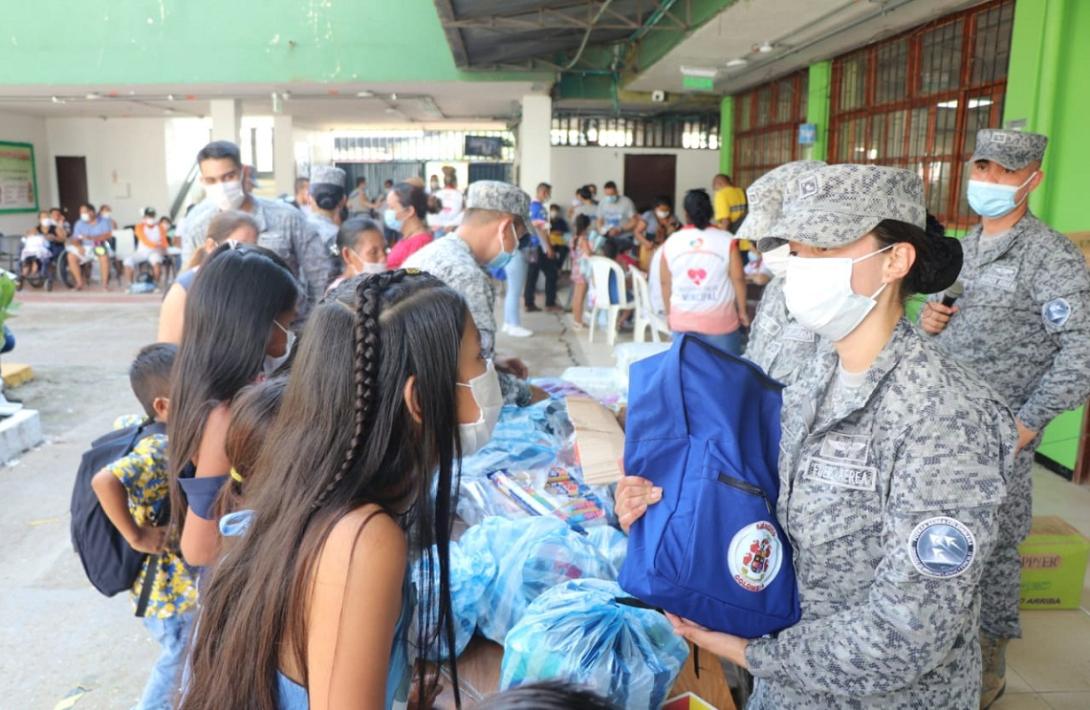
(645, 312)
(601, 268)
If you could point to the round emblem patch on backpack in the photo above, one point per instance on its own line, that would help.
(755, 555)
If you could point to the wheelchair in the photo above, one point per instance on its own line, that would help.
(44, 275)
(65, 275)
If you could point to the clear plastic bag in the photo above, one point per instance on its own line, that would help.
(531, 555)
(577, 632)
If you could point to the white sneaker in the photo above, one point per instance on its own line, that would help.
(516, 331)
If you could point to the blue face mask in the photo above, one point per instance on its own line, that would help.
(391, 220)
(504, 257)
(991, 200)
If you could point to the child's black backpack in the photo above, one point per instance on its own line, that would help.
(110, 564)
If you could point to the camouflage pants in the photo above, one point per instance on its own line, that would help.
(1001, 584)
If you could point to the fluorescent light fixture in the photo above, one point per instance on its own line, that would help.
(703, 72)
(91, 96)
(364, 94)
(737, 62)
(765, 47)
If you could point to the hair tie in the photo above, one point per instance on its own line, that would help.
(236, 476)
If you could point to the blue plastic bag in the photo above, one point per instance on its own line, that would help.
(531, 555)
(576, 632)
(611, 543)
(470, 575)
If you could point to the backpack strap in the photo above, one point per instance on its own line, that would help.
(150, 574)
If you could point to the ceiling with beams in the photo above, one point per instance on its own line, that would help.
(314, 106)
(544, 34)
(774, 37)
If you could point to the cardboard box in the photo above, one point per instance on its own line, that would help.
(1053, 565)
(599, 441)
(688, 701)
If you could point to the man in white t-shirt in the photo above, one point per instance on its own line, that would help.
(616, 216)
(450, 216)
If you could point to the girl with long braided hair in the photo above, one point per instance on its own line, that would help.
(311, 607)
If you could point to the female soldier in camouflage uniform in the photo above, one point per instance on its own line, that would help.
(892, 467)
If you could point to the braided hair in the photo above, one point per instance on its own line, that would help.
(366, 337)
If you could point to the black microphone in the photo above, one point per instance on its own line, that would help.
(953, 293)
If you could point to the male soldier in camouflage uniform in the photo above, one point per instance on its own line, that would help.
(776, 341)
(282, 228)
(1023, 324)
(496, 214)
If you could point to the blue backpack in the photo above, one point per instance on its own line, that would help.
(705, 426)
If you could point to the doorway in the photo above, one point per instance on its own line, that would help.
(648, 177)
(71, 185)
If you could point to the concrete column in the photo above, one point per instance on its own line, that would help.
(535, 144)
(226, 119)
(284, 154)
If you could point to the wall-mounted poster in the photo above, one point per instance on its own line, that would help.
(18, 178)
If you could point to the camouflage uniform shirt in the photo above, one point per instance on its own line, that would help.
(889, 488)
(281, 229)
(450, 260)
(1024, 319)
(777, 343)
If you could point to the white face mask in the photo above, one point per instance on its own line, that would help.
(662, 214)
(486, 393)
(272, 364)
(775, 260)
(226, 195)
(105, 214)
(377, 267)
(819, 295)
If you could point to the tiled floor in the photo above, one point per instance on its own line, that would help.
(1050, 666)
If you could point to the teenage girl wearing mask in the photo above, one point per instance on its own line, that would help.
(314, 596)
(237, 329)
(894, 461)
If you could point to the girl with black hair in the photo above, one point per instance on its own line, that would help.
(894, 461)
(238, 319)
(703, 279)
(407, 210)
(313, 600)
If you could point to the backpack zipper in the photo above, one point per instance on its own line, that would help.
(749, 488)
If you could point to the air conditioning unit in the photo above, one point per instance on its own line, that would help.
(658, 97)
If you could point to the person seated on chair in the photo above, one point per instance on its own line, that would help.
(36, 253)
(617, 218)
(151, 246)
(90, 240)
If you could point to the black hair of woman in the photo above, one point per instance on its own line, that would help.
(229, 316)
(253, 413)
(348, 236)
(938, 258)
(413, 196)
(327, 197)
(582, 224)
(361, 346)
(548, 695)
(698, 208)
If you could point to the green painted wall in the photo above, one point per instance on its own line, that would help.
(215, 41)
(726, 134)
(819, 84)
(1046, 88)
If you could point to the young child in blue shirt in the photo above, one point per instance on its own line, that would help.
(135, 496)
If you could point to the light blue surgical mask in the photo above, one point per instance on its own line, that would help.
(610, 199)
(389, 217)
(989, 199)
(504, 257)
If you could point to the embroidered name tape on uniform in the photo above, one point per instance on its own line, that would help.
(941, 547)
(1056, 312)
(1002, 277)
(841, 473)
(755, 555)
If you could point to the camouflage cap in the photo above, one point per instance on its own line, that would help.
(1013, 150)
(836, 205)
(766, 196)
(499, 197)
(327, 175)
